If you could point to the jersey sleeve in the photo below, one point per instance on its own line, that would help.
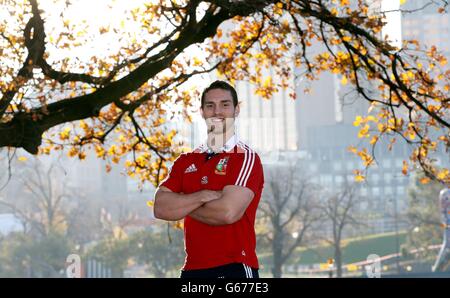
(249, 172)
(174, 179)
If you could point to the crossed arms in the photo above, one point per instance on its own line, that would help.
(210, 207)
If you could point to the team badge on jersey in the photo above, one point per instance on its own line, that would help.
(204, 180)
(221, 167)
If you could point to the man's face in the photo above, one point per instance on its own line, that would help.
(218, 111)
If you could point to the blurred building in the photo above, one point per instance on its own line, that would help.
(382, 197)
(325, 125)
(267, 124)
(326, 114)
(426, 24)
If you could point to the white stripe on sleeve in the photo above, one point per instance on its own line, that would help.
(242, 168)
(250, 169)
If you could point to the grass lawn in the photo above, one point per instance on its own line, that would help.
(354, 250)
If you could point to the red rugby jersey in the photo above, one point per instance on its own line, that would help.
(209, 246)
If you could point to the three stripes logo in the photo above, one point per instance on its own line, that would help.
(191, 169)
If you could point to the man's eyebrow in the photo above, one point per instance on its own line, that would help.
(223, 100)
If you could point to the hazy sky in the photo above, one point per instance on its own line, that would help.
(394, 25)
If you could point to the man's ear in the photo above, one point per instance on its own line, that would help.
(237, 110)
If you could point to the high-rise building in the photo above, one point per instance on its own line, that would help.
(325, 125)
(327, 102)
(267, 125)
(422, 21)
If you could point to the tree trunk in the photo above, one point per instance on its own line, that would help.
(277, 249)
(338, 259)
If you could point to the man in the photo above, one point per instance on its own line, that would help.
(216, 189)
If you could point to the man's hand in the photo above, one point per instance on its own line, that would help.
(175, 206)
(233, 202)
(206, 196)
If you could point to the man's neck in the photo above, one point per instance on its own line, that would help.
(216, 142)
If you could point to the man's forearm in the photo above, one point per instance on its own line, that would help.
(174, 206)
(213, 213)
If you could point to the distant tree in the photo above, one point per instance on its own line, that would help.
(424, 218)
(55, 218)
(161, 254)
(287, 211)
(43, 201)
(338, 210)
(23, 255)
(114, 253)
(83, 220)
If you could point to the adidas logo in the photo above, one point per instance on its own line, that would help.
(191, 169)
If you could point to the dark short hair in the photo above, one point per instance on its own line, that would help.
(221, 85)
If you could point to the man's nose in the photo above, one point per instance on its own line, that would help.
(217, 111)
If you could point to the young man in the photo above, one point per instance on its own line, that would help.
(216, 189)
